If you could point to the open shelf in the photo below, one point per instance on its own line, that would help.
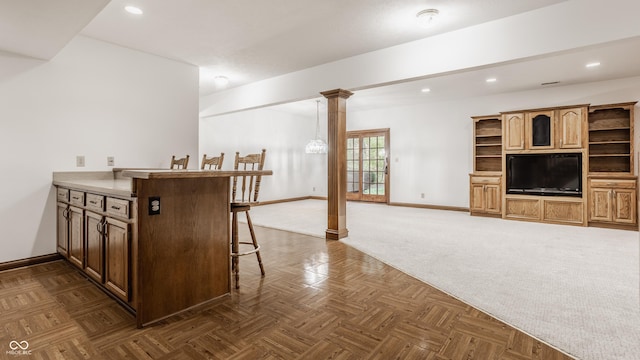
(610, 134)
(488, 144)
(615, 164)
(493, 163)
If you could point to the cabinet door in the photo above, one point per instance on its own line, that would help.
(514, 131)
(600, 204)
(541, 134)
(63, 229)
(492, 198)
(477, 197)
(117, 257)
(570, 127)
(624, 206)
(76, 236)
(94, 263)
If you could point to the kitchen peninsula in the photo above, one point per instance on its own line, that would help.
(158, 241)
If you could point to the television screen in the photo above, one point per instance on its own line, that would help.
(544, 174)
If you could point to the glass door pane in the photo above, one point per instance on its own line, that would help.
(374, 168)
(353, 168)
(367, 167)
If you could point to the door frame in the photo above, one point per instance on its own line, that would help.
(387, 141)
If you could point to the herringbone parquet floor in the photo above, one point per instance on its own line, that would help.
(319, 300)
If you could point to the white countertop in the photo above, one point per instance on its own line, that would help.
(103, 182)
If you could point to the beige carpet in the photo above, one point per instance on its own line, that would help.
(575, 288)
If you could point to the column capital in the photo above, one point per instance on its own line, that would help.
(342, 93)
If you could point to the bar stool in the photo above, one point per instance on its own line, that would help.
(179, 163)
(213, 163)
(241, 200)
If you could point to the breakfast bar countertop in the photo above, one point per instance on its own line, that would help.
(188, 173)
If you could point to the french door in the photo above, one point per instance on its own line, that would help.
(368, 165)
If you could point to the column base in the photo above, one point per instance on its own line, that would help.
(332, 234)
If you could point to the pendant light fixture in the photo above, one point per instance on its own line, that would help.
(316, 146)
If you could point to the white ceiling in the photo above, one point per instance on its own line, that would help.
(245, 40)
(249, 40)
(618, 60)
(41, 28)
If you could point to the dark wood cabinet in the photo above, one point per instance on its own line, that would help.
(94, 264)
(155, 263)
(95, 237)
(76, 236)
(62, 226)
(117, 258)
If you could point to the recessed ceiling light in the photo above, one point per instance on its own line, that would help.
(427, 17)
(492, 80)
(593, 64)
(133, 10)
(425, 90)
(221, 80)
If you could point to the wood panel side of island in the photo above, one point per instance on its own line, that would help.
(183, 257)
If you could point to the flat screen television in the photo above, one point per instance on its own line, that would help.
(544, 174)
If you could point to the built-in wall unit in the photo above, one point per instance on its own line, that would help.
(566, 165)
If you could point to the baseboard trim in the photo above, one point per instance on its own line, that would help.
(318, 198)
(412, 205)
(270, 202)
(613, 226)
(9, 265)
(427, 206)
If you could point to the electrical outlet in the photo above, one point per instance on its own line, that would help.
(314, 189)
(154, 205)
(422, 195)
(110, 161)
(80, 161)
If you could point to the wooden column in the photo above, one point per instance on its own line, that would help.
(337, 163)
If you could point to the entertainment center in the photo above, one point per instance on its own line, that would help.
(565, 165)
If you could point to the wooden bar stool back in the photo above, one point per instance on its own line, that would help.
(212, 163)
(179, 163)
(241, 200)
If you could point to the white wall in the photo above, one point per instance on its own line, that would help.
(429, 150)
(430, 143)
(283, 135)
(93, 99)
